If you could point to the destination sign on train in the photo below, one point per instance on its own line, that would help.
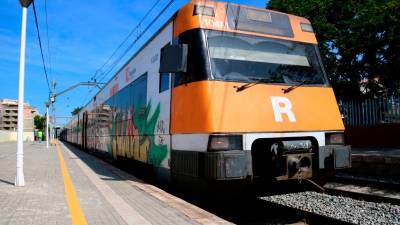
(259, 21)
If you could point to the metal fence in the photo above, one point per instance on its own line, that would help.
(370, 112)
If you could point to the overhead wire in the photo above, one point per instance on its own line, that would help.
(87, 96)
(115, 63)
(40, 45)
(126, 39)
(119, 47)
(48, 40)
(48, 53)
(138, 37)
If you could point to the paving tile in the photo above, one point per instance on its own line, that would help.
(43, 200)
(41, 196)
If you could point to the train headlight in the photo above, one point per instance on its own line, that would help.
(336, 138)
(225, 142)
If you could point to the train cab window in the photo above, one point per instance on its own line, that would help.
(164, 82)
(198, 67)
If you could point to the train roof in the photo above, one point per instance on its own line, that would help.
(237, 18)
(215, 15)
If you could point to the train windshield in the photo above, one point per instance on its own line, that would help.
(236, 57)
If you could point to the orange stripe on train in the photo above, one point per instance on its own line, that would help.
(216, 106)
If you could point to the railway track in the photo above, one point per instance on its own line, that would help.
(299, 208)
(348, 200)
(250, 211)
(378, 182)
(367, 193)
(307, 217)
(322, 208)
(332, 207)
(366, 188)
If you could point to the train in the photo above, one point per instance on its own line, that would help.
(222, 93)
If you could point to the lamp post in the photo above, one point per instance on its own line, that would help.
(47, 124)
(52, 99)
(19, 178)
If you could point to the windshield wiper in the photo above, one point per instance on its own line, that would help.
(291, 88)
(255, 82)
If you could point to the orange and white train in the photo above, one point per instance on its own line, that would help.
(221, 93)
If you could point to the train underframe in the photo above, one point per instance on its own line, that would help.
(269, 165)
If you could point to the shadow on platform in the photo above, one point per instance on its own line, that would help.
(6, 182)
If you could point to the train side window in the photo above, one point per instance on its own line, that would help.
(164, 82)
(164, 77)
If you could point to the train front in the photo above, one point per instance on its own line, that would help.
(254, 102)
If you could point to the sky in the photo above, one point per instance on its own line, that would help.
(82, 35)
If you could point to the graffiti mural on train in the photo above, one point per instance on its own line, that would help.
(133, 137)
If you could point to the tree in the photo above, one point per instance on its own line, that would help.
(39, 122)
(76, 111)
(359, 42)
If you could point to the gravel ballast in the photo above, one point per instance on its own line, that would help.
(341, 208)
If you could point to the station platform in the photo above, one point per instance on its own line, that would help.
(381, 164)
(67, 186)
(373, 151)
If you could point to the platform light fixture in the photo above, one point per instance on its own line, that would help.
(25, 3)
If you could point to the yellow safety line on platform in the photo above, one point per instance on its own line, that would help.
(75, 209)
